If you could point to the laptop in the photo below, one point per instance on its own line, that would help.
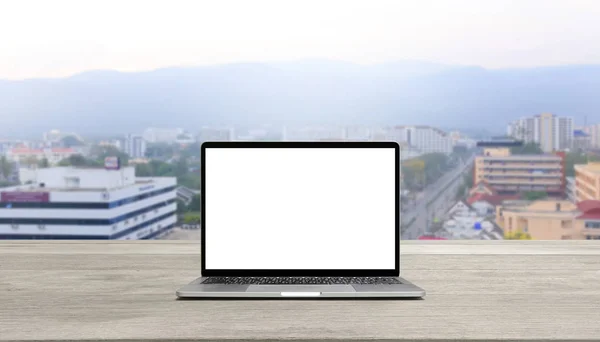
(300, 220)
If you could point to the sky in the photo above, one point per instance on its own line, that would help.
(57, 38)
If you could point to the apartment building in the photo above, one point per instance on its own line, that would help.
(426, 139)
(508, 174)
(593, 132)
(551, 132)
(551, 220)
(134, 146)
(587, 181)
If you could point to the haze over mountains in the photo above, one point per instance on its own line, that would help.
(304, 92)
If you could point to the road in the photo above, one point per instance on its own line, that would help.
(433, 203)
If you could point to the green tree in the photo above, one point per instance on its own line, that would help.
(160, 150)
(42, 164)
(574, 158)
(528, 148)
(191, 218)
(6, 167)
(101, 152)
(195, 203)
(143, 170)
(181, 207)
(190, 180)
(71, 141)
(534, 195)
(181, 168)
(78, 160)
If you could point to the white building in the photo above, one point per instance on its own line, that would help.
(83, 204)
(551, 132)
(313, 133)
(216, 134)
(23, 155)
(594, 134)
(426, 139)
(164, 135)
(134, 146)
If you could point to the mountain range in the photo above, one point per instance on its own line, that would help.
(299, 92)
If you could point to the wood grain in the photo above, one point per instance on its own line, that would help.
(126, 291)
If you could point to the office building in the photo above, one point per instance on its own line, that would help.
(506, 173)
(551, 220)
(551, 132)
(134, 146)
(73, 203)
(587, 181)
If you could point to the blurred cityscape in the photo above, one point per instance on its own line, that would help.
(539, 181)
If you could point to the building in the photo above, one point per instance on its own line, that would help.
(593, 132)
(161, 135)
(134, 146)
(462, 222)
(507, 173)
(313, 133)
(25, 156)
(587, 182)
(83, 204)
(581, 140)
(216, 134)
(425, 139)
(551, 220)
(485, 203)
(551, 132)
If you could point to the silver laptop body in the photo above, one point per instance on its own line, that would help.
(300, 220)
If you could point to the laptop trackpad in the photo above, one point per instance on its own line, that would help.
(300, 290)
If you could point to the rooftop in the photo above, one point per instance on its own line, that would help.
(546, 156)
(589, 167)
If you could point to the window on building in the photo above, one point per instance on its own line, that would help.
(592, 224)
(557, 206)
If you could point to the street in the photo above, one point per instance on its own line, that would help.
(423, 212)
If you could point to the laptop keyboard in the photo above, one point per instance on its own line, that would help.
(301, 280)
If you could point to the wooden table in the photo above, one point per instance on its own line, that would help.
(126, 291)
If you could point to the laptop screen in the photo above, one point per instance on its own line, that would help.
(300, 208)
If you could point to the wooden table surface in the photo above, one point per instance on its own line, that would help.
(126, 291)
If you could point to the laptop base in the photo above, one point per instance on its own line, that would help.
(197, 290)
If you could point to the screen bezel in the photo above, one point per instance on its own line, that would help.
(298, 272)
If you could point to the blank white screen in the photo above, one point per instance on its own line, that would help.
(300, 208)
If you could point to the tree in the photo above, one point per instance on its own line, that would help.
(181, 207)
(181, 168)
(78, 160)
(6, 167)
(528, 148)
(143, 170)
(160, 150)
(534, 195)
(101, 152)
(191, 218)
(574, 158)
(195, 203)
(71, 141)
(42, 164)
